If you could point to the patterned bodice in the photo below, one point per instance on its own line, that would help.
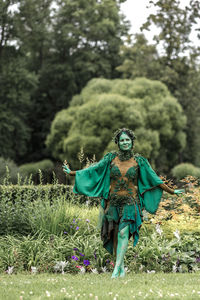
(123, 176)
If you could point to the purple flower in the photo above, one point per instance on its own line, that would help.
(86, 262)
(95, 256)
(65, 232)
(198, 259)
(74, 221)
(87, 220)
(77, 228)
(81, 254)
(75, 249)
(107, 261)
(74, 257)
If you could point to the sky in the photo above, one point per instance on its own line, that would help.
(137, 12)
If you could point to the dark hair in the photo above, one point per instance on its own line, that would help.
(118, 133)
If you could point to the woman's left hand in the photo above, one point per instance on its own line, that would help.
(178, 192)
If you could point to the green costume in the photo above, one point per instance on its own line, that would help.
(125, 210)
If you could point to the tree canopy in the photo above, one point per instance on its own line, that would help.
(103, 106)
(61, 45)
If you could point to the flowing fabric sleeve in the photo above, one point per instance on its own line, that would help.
(148, 186)
(95, 180)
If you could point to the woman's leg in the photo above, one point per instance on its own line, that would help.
(122, 245)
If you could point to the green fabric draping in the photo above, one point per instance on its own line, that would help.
(95, 182)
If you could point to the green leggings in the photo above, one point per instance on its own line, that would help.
(122, 244)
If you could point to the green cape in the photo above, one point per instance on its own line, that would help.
(95, 182)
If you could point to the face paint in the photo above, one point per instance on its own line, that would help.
(125, 143)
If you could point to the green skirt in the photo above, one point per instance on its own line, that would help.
(118, 212)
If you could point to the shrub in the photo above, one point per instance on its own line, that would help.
(45, 166)
(185, 169)
(11, 167)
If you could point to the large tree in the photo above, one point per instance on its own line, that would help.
(66, 43)
(105, 105)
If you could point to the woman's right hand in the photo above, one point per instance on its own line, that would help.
(66, 168)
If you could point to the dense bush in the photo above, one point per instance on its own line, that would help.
(32, 169)
(185, 169)
(8, 166)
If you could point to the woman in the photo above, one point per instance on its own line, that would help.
(127, 185)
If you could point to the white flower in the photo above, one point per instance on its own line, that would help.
(60, 266)
(33, 270)
(126, 270)
(141, 267)
(158, 229)
(94, 271)
(174, 269)
(10, 270)
(177, 234)
(82, 270)
(104, 269)
(151, 272)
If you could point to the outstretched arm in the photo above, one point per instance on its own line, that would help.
(67, 170)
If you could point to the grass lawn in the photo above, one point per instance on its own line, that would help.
(94, 286)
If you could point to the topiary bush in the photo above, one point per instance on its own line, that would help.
(185, 169)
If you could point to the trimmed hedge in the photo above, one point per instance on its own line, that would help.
(50, 192)
(30, 193)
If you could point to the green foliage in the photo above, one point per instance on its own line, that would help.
(16, 86)
(32, 169)
(66, 44)
(140, 59)
(8, 168)
(185, 169)
(152, 253)
(43, 225)
(155, 252)
(25, 209)
(142, 105)
(175, 26)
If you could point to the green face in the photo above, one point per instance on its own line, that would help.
(125, 143)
